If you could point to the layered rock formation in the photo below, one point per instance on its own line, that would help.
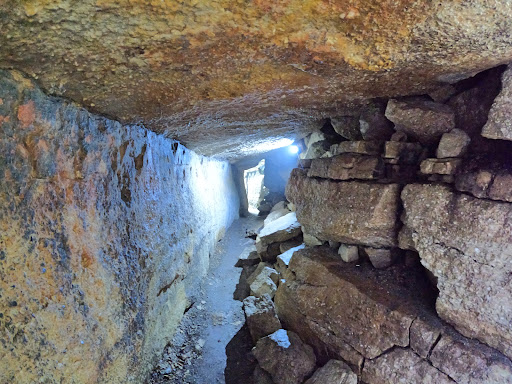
(405, 269)
(227, 76)
(104, 231)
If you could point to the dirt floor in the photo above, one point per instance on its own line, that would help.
(214, 324)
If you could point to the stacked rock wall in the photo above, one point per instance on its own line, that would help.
(433, 191)
(104, 233)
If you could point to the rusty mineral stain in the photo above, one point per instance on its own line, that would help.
(27, 114)
(214, 67)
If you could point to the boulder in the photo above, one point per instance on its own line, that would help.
(285, 356)
(380, 258)
(402, 366)
(263, 280)
(453, 144)
(465, 242)
(347, 127)
(260, 316)
(316, 150)
(334, 372)
(347, 212)
(284, 228)
(499, 121)
(421, 119)
(348, 253)
(347, 310)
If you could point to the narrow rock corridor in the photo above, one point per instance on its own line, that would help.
(373, 139)
(197, 354)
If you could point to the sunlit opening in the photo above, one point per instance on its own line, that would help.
(293, 149)
(254, 186)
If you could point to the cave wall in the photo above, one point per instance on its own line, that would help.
(105, 231)
(415, 266)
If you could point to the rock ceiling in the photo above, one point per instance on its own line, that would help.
(223, 76)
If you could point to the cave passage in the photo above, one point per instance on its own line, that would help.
(255, 192)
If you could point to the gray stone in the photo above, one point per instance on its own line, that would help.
(285, 356)
(284, 228)
(421, 119)
(260, 316)
(264, 280)
(499, 121)
(453, 144)
(334, 372)
(348, 253)
(347, 127)
(346, 167)
(347, 212)
(380, 258)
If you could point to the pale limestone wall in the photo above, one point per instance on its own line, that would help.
(104, 232)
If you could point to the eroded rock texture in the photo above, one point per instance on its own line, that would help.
(100, 228)
(381, 322)
(466, 244)
(225, 75)
(348, 212)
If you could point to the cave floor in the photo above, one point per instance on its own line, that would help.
(197, 354)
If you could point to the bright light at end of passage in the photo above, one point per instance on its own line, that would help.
(293, 149)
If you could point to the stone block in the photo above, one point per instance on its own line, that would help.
(499, 121)
(285, 356)
(380, 258)
(347, 212)
(465, 243)
(440, 166)
(348, 253)
(260, 316)
(453, 144)
(359, 147)
(421, 119)
(347, 127)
